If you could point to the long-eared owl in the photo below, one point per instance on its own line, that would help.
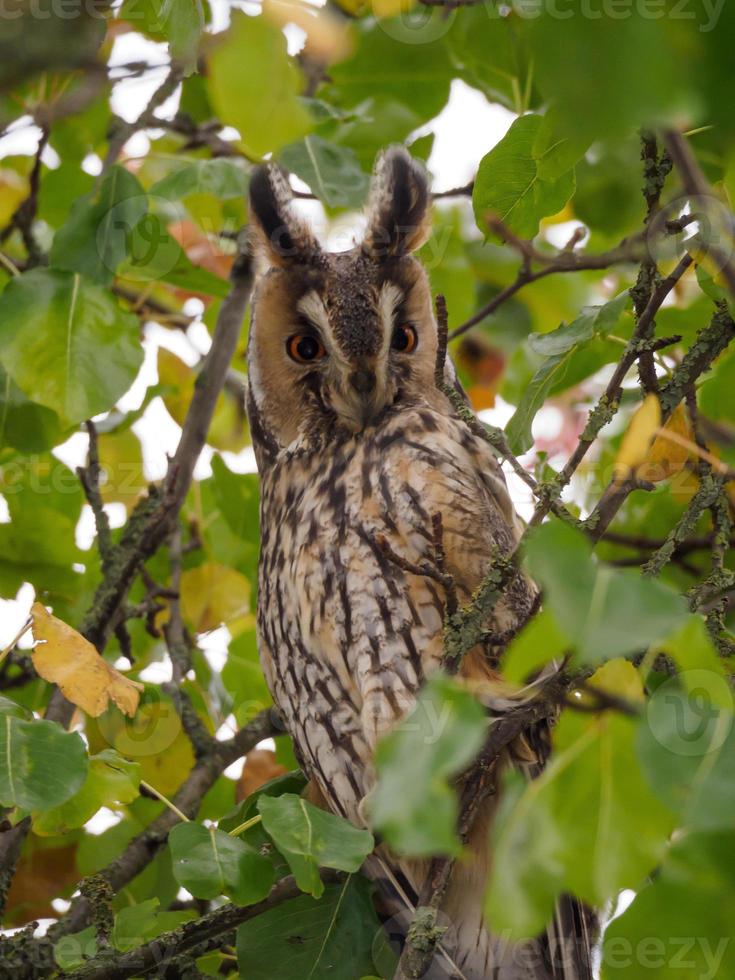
(357, 446)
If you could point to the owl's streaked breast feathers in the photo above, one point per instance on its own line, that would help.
(355, 446)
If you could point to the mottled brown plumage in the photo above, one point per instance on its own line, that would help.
(356, 445)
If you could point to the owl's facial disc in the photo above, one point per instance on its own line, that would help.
(339, 339)
(356, 344)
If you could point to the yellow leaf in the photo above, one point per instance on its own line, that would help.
(13, 189)
(229, 425)
(121, 460)
(392, 8)
(212, 594)
(327, 36)
(637, 440)
(63, 657)
(154, 739)
(668, 457)
(618, 677)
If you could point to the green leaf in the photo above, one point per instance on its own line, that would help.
(692, 650)
(184, 26)
(444, 256)
(573, 352)
(251, 58)
(67, 344)
(642, 87)
(373, 124)
(255, 835)
(504, 75)
(608, 197)
(289, 782)
(681, 924)
(550, 373)
(24, 425)
(61, 188)
(310, 838)
(132, 924)
(330, 937)
(43, 765)
(332, 172)
(208, 863)
(413, 805)
(717, 394)
(222, 177)
(604, 612)
(508, 184)
(556, 148)
(393, 62)
(13, 709)
(592, 320)
(71, 951)
(238, 498)
(180, 22)
(110, 780)
(539, 642)
(588, 824)
(687, 750)
(242, 675)
(96, 236)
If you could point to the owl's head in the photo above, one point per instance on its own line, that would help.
(337, 339)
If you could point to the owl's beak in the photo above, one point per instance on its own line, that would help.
(363, 381)
(360, 399)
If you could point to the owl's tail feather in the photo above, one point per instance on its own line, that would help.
(469, 950)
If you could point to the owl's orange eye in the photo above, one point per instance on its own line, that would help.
(304, 348)
(404, 338)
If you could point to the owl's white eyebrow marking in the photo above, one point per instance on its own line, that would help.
(311, 306)
(390, 297)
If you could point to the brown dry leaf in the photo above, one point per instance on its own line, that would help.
(45, 871)
(484, 366)
(201, 250)
(668, 457)
(260, 766)
(65, 658)
(636, 444)
(481, 397)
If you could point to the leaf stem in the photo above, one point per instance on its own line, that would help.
(24, 629)
(164, 799)
(235, 832)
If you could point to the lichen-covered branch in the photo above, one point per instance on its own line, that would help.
(33, 959)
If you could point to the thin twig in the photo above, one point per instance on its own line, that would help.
(89, 477)
(630, 250)
(146, 118)
(25, 214)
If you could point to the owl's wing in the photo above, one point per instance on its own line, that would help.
(456, 475)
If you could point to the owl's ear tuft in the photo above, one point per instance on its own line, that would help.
(280, 236)
(398, 207)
